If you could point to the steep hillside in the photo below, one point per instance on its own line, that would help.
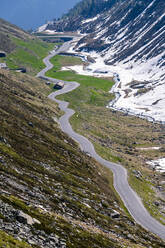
(125, 38)
(44, 174)
(6, 31)
(22, 49)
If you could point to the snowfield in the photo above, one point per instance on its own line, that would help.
(139, 87)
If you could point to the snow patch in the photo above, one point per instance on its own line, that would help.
(51, 32)
(149, 148)
(90, 19)
(158, 165)
(42, 28)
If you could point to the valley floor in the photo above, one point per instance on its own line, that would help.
(136, 93)
(117, 137)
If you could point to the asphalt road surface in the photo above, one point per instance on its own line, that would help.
(131, 200)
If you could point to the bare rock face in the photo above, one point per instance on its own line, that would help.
(26, 219)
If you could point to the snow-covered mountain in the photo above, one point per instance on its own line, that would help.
(126, 38)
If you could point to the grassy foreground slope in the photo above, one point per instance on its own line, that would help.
(117, 137)
(23, 50)
(44, 174)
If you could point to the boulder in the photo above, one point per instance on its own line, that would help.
(26, 219)
(30, 124)
(115, 214)
(2, 54)
(3, 140)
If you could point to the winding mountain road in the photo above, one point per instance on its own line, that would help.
(131, 200)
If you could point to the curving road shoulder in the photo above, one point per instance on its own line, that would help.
(131, 200)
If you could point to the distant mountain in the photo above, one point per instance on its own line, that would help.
(128, 34)
(122, 26)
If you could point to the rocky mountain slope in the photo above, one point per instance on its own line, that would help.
(125, 38)
(51, 193)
